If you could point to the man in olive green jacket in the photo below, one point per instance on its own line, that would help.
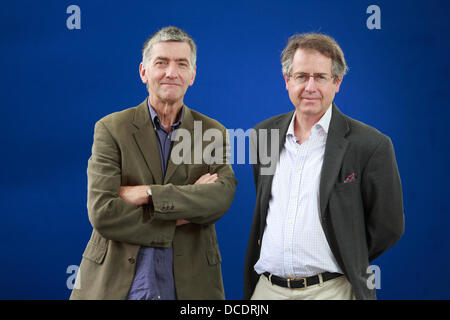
(131, 204)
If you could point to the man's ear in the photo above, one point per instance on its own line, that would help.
(286, 79)
(143, 73)
(338, 84)
(194, 73)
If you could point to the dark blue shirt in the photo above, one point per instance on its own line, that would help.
(153, 277)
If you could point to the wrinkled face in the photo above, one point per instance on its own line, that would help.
(311, 98)
(169, 73)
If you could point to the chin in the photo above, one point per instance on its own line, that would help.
(312, 109)
(170, 98)
(309, 110)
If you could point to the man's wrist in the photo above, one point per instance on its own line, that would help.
(149, 196)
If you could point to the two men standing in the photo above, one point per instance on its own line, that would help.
(332, 204)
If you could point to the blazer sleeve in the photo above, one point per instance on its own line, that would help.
(111, 216)
(197, 203)
(382, 198)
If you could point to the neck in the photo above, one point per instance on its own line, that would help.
(303, 124)
(167, 112)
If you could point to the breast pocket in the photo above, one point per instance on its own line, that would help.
(349, 187)
(346, 199)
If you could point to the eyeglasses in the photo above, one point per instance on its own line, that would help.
(319, 78)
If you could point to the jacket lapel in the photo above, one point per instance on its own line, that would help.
(187, 124)
(145, 138)
(335, 148)
(265, 183)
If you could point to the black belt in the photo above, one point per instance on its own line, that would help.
(300, 283)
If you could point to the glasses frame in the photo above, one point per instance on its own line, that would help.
(319, 78)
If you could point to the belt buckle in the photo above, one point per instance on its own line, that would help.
(305, 285)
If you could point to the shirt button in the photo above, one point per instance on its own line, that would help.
(132, 260)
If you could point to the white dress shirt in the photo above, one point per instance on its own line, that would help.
(294, 244)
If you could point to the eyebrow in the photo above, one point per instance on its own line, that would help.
(315, 74)
(167, 59)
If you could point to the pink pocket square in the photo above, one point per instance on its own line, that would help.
(350, 178)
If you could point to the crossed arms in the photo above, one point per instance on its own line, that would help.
(120, 213)
(137, 195)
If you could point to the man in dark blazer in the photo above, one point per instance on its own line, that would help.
(153, 216)
(330, 201)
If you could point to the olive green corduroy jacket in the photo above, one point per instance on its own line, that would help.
(125, 153)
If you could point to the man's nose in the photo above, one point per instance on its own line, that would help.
(310, 85)
(171, 70)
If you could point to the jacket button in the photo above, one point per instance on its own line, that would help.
(259, 242)
(132, 260)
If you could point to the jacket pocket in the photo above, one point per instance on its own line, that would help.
(95, 252)
(344, 186)
(213, 256)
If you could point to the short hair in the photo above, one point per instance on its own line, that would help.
(322, 43)
(169, 33)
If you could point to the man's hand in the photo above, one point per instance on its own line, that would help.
(204, 179)
(207, 178)
(134, 194)
(137, 195)
(180, 222)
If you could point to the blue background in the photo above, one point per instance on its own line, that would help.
(56, 83)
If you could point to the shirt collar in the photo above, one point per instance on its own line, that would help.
(156, 121)
(323, 123)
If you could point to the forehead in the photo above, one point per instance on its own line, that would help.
(312, 61)
(171, 50)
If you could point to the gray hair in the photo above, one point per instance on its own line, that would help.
(322, 43)
(169, 33)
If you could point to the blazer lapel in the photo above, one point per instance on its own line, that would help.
(187, 124)
(335, 148)
(145, 137)
(265, 183)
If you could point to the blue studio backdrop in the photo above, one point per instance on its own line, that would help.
(60, 75)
